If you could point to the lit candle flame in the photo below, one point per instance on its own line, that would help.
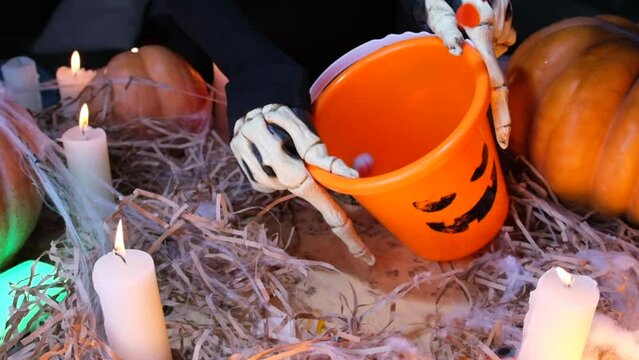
(565, 277)
(135, 50)
(83, 120)
(75, 62)
(118, 247)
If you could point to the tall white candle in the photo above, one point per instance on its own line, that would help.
(88, 161)
(72, 80)
(21, 79)
(560, 313)
(133, 319)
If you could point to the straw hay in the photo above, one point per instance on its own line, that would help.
(225, 279)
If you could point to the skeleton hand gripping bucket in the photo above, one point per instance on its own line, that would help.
(421, 114)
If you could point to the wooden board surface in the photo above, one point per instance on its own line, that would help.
(395, 265)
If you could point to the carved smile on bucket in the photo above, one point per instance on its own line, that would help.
(477, 212)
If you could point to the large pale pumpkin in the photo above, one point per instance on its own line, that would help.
(20, 203)
(574, 101)
(176, 89)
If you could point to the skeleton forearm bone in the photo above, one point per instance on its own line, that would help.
(260, 149)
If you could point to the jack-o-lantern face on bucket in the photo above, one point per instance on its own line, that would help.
(476, 213)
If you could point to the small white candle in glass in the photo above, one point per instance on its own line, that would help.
(133, 318)
(72, 80)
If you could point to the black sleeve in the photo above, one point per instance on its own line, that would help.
(259, 73)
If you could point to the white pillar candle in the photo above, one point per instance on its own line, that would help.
(21, 79)
(87, 157)
(560, 313)
(72, 80)
(133, 318)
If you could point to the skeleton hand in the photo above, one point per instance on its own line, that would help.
(504, 35)
(272, 145)
(488, 23)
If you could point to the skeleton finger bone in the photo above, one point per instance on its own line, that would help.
(318, 156)
(501, 115)
(508, 38)
(334, 215)
(251, 166)
(238, 125)
(307, 144)
(241, 147)
(504, 34)
(482, 36)
(285, 118)
(271, 153)
(441, 20)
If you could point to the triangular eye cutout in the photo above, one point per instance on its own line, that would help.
(467, 15)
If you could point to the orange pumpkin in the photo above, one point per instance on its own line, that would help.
(574, 101)
(20, 203)
(176, 89)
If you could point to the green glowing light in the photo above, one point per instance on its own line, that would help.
(17, 276)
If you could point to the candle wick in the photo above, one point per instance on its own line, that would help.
(121, 257)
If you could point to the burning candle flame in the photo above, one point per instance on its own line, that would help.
(118, 247)
(83, 120)
(75, 62)
(565, 277)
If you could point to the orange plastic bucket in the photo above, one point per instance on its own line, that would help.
(436, 182)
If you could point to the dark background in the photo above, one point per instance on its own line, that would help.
(314, 32)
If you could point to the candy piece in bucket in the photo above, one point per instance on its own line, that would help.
(363, 163)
